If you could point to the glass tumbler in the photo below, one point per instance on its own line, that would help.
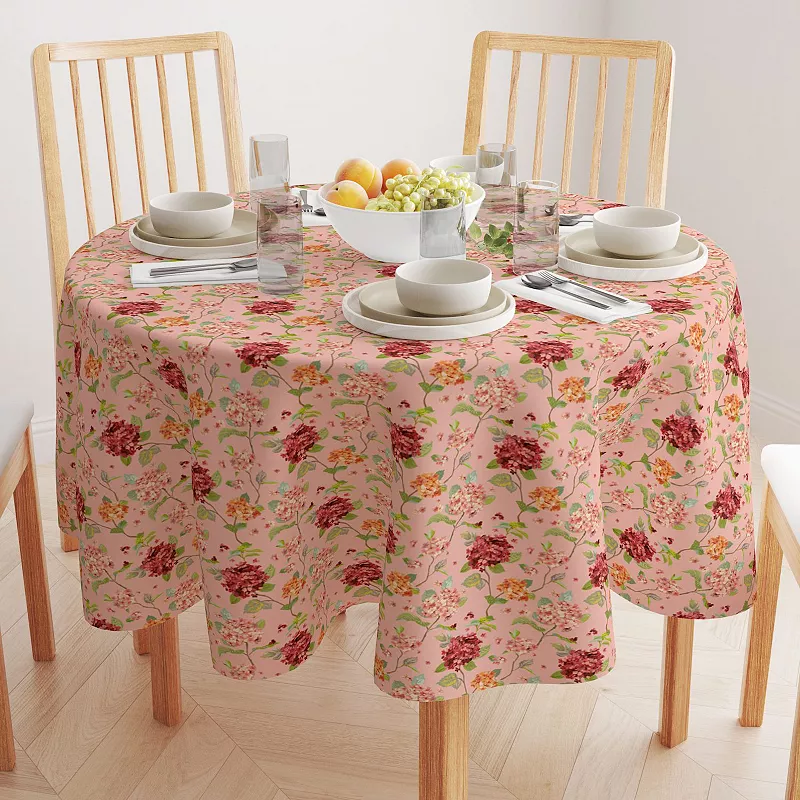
(496, 165)
(536, 226)
(279, 235)
(269, 164)
(443, 232)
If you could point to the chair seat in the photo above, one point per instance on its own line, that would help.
(781, 465)
(15, 416)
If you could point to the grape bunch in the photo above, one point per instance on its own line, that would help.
(434, 188)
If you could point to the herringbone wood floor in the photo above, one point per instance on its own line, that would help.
(324, 732)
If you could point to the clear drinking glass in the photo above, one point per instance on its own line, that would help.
(280, 241)
(443, 232)
(496, 165)
(536, 227)
(269, 164)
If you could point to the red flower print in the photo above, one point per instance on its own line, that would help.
(683, 433)
(391, 540)
(77, 353)
(333, 511)
(516, 453)
(159, 559)
(488, 550)
(80, 512)
(259, 354)
(598, 572)
(669, 305)
(727, 503)
(244, 580)
(202, 482)
(546, 353)
(629, 377)
(271, 307)
(731, 360)
(121, 438)
(173, 376)
(295, 651)
(636, 545)
(461, 650)
(298, 442)
(406, 442)
(689, 615)
(362, 573)
(138, 307)
(581, 664)
(388, 271)
(401, 349)
(745, 378)
(98, 622)
(531, 307)
(736, 303)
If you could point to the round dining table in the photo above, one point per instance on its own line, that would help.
(261, 454)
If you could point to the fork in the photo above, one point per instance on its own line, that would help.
(307, 207)
(557, 279)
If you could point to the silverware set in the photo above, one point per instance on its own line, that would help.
(243, 265)
(548, 280)
(307, 207)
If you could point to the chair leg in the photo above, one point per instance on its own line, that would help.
(34, 567)
(69, 544)
(8, 756)
(141, 641)
(762, 625)
(676, 681)
(165, 672)
(443, 749)
(793, 778)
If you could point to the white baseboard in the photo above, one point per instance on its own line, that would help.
(44, 439)
(774, 421)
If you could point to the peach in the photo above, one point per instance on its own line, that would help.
(363, 172)
(398, 166)
(348, 193)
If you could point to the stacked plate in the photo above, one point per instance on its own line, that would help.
(239, 240)
(581, 255)
(376, 308)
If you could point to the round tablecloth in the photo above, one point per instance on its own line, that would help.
(262, 454)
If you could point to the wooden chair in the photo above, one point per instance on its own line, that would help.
(604, 49)
(163, 639)
(779, 536)
(18, 477)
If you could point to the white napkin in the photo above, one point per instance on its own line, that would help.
(558, 300)
(140, 273)
(567, 230)
(312, 220)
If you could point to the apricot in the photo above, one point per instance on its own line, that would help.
(348, 193)
(398, 166)
(364, 173)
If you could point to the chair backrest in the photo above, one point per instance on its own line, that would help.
(605, 49)
(129, 49)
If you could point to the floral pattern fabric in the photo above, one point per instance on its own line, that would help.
(262, 455)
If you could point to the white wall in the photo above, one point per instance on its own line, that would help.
(341, 78)
(734, 167)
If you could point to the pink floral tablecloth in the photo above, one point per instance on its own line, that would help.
(263, 455)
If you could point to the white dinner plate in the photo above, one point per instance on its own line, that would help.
(379, 301)
(581, 246)
(637, 274)
(243, 229)
(190, 253)
(424, 333)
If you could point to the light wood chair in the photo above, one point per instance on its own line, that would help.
(605, 50)
(163, 639)
(18, 477)
(779, 536)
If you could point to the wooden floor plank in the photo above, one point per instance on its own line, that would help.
(25, 778)
(670, 774)
(748, 790)
(240, 779)
(355, 629)
(738, 759)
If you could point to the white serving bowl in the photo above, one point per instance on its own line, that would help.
(384, 235)
(443, 287)
(456, 164)
(191, 215)
(636, 231)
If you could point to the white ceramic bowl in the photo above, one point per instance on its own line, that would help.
(385, 235)
(443, 287)
(456, 163)
(636, 231)
(191, 215)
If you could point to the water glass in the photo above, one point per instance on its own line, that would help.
(536, 226)
(269, 164)
(443, 232)
(496, 165)
(279, 236)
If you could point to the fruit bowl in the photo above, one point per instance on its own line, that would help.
(383, 236)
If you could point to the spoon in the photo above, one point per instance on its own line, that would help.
(243, 265)
(537, 281)
(567, 220)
